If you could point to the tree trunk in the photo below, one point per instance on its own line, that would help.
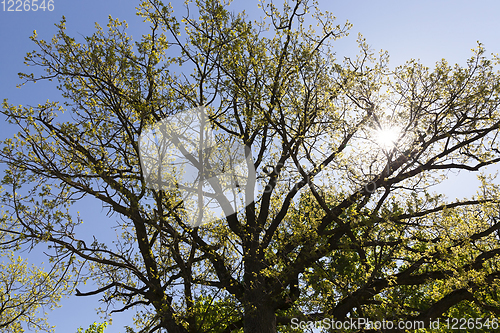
(259, 316)
(259, 312)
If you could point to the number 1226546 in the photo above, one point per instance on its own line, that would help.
(27, 5)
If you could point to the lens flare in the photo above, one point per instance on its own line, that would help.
(387, 137)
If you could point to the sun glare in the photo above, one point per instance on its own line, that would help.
(387, 137)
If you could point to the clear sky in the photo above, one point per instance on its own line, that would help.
(425, 30)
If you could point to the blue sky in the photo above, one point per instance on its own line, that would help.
(425, 30)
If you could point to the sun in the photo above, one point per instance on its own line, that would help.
(387, 137)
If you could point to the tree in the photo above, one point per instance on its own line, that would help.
(341, 225)
(27, 291)
(94, 328)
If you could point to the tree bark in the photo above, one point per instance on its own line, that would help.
(259, 313)
(259, 308)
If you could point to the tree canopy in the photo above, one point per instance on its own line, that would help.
(94, 328)
(26, 293)
(341, 221)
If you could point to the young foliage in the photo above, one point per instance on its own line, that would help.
(94, 328)
(26, 293)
